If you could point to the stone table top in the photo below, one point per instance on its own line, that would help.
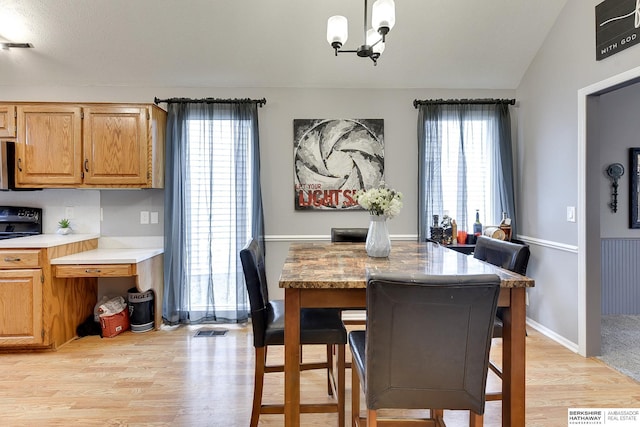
(346, 265)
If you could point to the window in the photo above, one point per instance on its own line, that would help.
(465, 163)
(466, 167)
(217, 167)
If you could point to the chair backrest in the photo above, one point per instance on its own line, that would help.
(255, 278)
(428, 340)
(354, 235)
(508, 255)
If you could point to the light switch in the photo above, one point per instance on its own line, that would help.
(154, 217)
(144, 217)
(571, 213)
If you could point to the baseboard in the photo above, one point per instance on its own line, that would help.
(552, 335)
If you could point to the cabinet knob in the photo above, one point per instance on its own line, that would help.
(7, 259)
(86, 165)
(20, 164)
(92, 270)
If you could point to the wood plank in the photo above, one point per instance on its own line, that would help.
(134, 379)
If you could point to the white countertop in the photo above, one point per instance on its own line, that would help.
(109, 256)
(45, 240)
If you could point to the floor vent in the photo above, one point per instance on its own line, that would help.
(205, 333)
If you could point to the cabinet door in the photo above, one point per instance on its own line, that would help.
(116, 146)
(21, 307)
(8, 121)
(49, 148)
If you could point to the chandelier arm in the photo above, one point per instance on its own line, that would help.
(364, 26)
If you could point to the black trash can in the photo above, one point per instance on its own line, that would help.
(141, 310)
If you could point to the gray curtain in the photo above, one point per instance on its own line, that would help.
(433, 117)
(213, 206)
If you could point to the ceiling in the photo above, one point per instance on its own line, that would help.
(479, 44)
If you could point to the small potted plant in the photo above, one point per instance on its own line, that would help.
(64, 226)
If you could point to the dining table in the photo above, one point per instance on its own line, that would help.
(325, 274)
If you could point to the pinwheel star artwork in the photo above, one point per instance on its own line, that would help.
(333, 159)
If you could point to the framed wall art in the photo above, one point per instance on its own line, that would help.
(333, 159)
(634, 187)
(617, 26)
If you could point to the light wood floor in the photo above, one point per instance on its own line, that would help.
(171, 378)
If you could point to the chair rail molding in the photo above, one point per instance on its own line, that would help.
(325, 237)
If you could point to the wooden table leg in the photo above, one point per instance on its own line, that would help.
(514, 360)
(291, 357)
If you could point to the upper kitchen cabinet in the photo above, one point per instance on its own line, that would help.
(49, 146)
(115, 142)
(90, 146)
(7, 121)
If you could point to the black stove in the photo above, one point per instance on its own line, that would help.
(19, 222)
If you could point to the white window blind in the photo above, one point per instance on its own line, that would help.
(218, 184)
(468, 144)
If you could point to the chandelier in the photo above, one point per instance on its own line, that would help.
(383, 18)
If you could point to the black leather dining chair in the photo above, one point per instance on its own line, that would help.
(353, 235)
(317, 326)
(510, 256)
(426, 345)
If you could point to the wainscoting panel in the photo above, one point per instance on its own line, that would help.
(620, 276)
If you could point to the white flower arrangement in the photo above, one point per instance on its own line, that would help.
(380, 201)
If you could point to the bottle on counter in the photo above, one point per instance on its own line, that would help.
(477, 226)
(505, 225)
(454, 232)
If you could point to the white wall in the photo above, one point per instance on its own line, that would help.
(548, 144)
(85, 204)
(283, 224)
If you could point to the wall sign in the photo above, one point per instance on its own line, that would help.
(617, 26)
(334, 158)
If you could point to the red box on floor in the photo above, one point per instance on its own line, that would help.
(114, 324)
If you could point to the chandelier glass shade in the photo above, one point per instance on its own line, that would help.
(383, 18)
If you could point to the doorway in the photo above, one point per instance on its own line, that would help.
(588, 215)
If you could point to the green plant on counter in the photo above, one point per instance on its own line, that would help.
(64, 223)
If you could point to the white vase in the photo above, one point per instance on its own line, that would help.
(378, 242)
(64, 231)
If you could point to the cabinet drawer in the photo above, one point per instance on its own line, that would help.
(19, 259)
(97, 270)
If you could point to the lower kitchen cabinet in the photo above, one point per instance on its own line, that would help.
(21, 307)
(37, 310)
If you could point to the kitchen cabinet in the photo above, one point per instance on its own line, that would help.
(7, 121)
(90, 146)
(38, 310)
(21, 281)
(49, 146)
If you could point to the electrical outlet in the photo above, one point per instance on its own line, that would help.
(144, 217)
(571, 213)
(68, 212)
(154, 217)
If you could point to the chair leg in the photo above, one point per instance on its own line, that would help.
(341, 382)
(372, 418)
(330, 369)
(355, 397)
(258, 382)
(475, 420)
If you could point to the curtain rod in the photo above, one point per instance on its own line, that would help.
(260, 102)
(417, 102)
